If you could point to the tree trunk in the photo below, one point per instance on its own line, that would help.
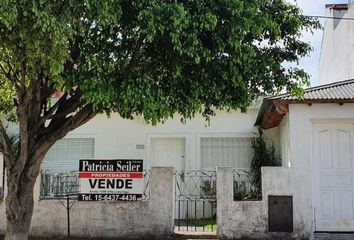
(19, 201)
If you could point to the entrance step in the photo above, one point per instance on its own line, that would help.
(334, 236)
(195, 235)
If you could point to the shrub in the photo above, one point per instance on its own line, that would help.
(264, 155)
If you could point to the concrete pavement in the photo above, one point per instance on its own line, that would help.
(317, 236)
(334, 236)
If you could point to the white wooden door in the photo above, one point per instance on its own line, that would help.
(333, 158)
(168, 152)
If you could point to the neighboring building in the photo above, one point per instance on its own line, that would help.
(337, 51)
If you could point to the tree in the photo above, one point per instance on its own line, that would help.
(146, 57)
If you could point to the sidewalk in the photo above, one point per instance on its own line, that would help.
(334, 236)
(318, 236)
(177, 237)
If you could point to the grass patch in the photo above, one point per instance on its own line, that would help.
(207, 223)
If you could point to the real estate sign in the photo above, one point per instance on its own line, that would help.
(111, 180)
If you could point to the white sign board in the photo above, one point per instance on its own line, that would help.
(111, 180)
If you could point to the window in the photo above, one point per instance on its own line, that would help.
(63, 158)
(233, 152)
(65, 154)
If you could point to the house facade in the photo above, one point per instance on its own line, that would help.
(196, 144)
(314, 137)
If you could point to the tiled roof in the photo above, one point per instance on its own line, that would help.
(343, 90)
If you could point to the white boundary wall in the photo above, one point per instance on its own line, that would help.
(143, 219)
(237, 219)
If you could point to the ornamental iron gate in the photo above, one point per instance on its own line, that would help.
(195, 200)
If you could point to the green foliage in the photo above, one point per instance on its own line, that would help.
(151, 57)
(209, 188)
(240, 193)
(207, 223)
(264, 155)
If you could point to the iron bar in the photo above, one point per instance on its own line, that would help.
(212, 215)
(203, 214)
(187, 216)
(195, 214)
(192, 190)
(179, 215)
(68, 214)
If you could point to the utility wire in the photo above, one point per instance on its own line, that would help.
(325, 17)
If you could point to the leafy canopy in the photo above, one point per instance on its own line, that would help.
(149, 57)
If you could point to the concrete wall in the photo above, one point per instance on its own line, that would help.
(143, 219)
(337, 51)
(237, 219)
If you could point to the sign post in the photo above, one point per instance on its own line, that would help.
(111, 180)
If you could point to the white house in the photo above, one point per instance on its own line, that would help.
(314, 135)
(196, 144)
(193, 145)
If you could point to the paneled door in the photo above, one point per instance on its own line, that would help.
(333, 146)
(168, 152)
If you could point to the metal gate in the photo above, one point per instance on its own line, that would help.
(195, 200)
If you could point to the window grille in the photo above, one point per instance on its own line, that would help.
(234, 152)
(65, 154)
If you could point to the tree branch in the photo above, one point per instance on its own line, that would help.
(135, 56)
(35, 101)
(23, 77)
(65, 106)
(12, 70)
(59, 130)
(50, 112)
(9, 77)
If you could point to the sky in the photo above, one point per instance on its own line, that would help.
(311, 63)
